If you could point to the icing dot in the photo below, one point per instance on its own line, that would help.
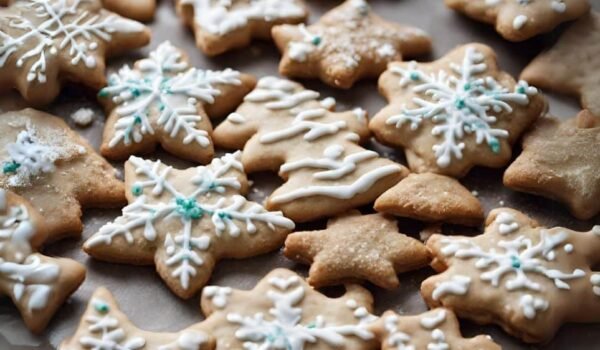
(568, 248)
(519, 21)
(101, 307)
(136, 190)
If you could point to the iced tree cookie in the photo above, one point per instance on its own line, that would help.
(46, 162)
(561, 160)
(221, 26)
(44, 43)
(284, 127)
(163, 100)
(524, 277)
(347, 44)
(518, 20)
(104, 326)
(455, 113)
(38, 285)
(184, 221)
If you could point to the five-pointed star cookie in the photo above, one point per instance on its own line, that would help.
(37, 284)
(349, 43)
(572, 66)
(526, 278)
(164, 100)
(357, 247)
(223, 25)
(560, 160)
(46, 42)
(455, 113)
(184, 221)
(437, 329)
(518, 20)
(55, 169)
(104, 326)
(284, 312)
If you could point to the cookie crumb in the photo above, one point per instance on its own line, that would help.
(83, 117)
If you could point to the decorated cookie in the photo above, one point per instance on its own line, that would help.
(357, 247)
(284, 312)
(141, 10)
(37, 284)
(104, 326)
(283, 127)
(431, 198)
(221, 26)
(572, 66)
(526, 278)
(561, 160)
(455, 113)
(437, 329)
(518, 20)
(44, 161)
(46, 42)
(347, 44)
(163, 100)
(184, 221)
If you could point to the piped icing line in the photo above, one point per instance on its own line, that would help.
(531, 305)
(434, 321)
(506, 223)
(457, 285)
(595, 280)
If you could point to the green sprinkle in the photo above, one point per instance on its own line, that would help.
(103, 93)
(223, 215)
(189, 209)
(136, 92)
(136, 190)
(102, 308)
(521, 90)
(11, 167)
(460, 103)
(495, 146)
(414, 76)
(137, 120)
(515, 262)
(316, 40)
(467, 86)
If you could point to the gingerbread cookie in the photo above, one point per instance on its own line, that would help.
(431, 198)
(349, 43)
(357, 247)
(104, 326)
(518, 20)
(163, 100)
(46, 162)
(455, 113)
(572, 66)
(284, 312)
(37, 284)
(140, 10)
(283, 127)
(184, 221)
(434, 330)
(526, 278)
(560, 160)
(46, 42)
(221, 26)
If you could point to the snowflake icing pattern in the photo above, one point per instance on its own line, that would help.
(459, 105)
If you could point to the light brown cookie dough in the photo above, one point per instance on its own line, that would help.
(526, 278)
(284, 312)
(104, 326)
(431, 198)
(455, 113)
(357, 247)
(561, 160)
(348, 43)
(140, 10)
(38, 285)
(48, 42)
(572, 66)
(162, 100)
(184, 221)
(47, 163)
(518, 20)
(221, 26)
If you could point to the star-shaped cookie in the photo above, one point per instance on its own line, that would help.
(347, 44)
(184, 221)
(162, 100)
(524, 277)
(44, 43)
(572, 66)
(46, 162)
(37, 284)
(455, 113)
(518, 20)
(221, 26)
(561, 160)
(357, 247)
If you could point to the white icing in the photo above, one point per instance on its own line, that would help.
(236, 118)
(531, 305)
(568, 248)
(217, 295)
(396, 338)
(32, 157)
(596, 230)
(434, 321)
(386, 51)
(595, 280)
(83, 117)
(520, 21)
(439, 341)
(300, 50)
(457, 285)
(506, 223)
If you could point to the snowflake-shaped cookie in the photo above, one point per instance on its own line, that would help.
(164, 100)
(524, 277)
(455, 113)
(183, 221)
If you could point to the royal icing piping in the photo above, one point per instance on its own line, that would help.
(218, 295)
(530, 305)
(457, 285)
(460, 103)
(558, 6)
(402, 341)
(595, 280)
(434, 321)
(506, 223)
